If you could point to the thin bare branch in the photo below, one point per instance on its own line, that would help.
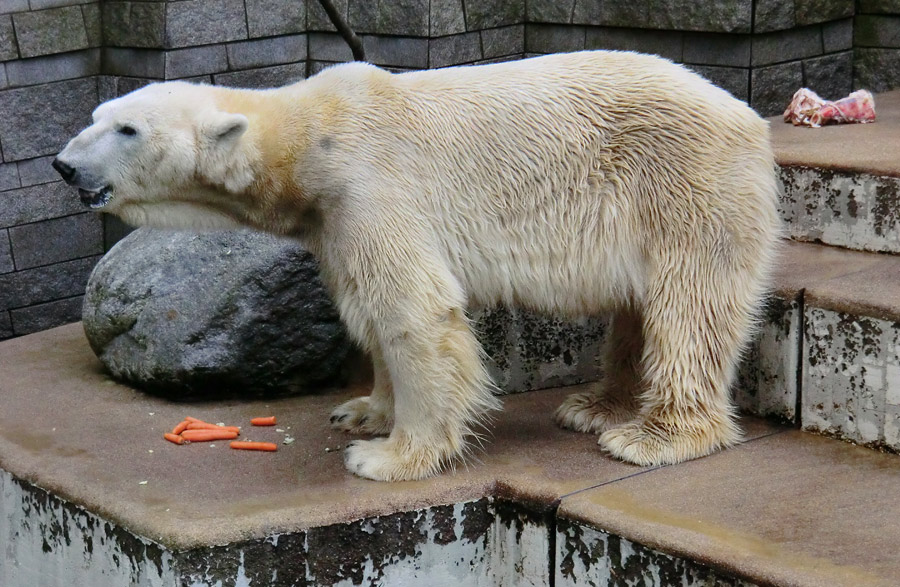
(344, 29)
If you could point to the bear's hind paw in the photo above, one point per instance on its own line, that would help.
(649, 445)
(359, 416)
(589, 412)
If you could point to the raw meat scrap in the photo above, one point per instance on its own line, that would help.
(808, 109)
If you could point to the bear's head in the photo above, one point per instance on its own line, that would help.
(164, 155)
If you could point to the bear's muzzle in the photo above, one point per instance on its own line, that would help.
(67, 172)
(93, 199)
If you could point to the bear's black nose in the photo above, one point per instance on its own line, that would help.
(66, 171)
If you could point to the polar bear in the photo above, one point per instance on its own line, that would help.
(573, 184)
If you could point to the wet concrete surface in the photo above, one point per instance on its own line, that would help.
(840, 280)
(784, 505)
(66, 427)
(790, 509)
(870, 148)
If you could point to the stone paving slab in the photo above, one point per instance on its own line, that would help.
(870, 148)
(790, 509)
(840, 280)
(840, 184)
(783, 508)
(66, 427)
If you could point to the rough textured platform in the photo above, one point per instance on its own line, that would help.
(66, 427)
(841, 280)
(840, 185)
(847, 333)
(786, 507)
(869, 148)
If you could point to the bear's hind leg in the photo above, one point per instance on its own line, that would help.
(441, 394)
(695, 322)
(611, 402)
(372, 414)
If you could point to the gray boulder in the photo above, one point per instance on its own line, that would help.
(202, 316)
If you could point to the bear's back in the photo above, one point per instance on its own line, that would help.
(557, 169)
(619, 83)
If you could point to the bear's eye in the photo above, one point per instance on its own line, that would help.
(128, 130)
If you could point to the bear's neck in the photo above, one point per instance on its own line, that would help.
(277, 131)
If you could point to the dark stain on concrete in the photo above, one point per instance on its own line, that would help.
(58, 522)
(276, 562)
(517, 515)
(815, 188)
(824, 183)
(817, 349)
(520, 342)
(751, 378)
(492, 330)
(871, 337)
(787, 202)
(135, 549)
(852, 205)
(543, 339)
(886, 207)
(575, 545)
(341, 552)
(443, 522)
(630, 564)
(477, 519)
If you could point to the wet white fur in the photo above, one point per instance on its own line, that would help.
(570, 184)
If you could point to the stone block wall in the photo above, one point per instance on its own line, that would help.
(51, 55)
(421, 34)
(761, 52)
(876, 38)
(60, 58)
(257, 43)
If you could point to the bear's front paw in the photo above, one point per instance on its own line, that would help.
(588, 412)
(653, 443)
(380, 459)
(361, 416)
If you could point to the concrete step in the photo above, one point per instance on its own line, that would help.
(826, 356)
(841, 184)
(787, 509)
(850, 333)
(90, 494)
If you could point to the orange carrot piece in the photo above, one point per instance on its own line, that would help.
(267, 421)
(173, 438)
(246, 445)
(208, 426)
(181, 427)
(207, 435)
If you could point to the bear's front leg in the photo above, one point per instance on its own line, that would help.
(442, 393)
(373, 414)
(396, 293)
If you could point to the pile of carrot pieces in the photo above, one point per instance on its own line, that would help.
(194, 430)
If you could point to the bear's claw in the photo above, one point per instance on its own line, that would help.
(360, 416)
(589, 412)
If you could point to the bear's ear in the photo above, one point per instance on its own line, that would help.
(224, 127)
(223, 160)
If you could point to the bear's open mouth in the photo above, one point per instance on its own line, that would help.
(95, 200)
